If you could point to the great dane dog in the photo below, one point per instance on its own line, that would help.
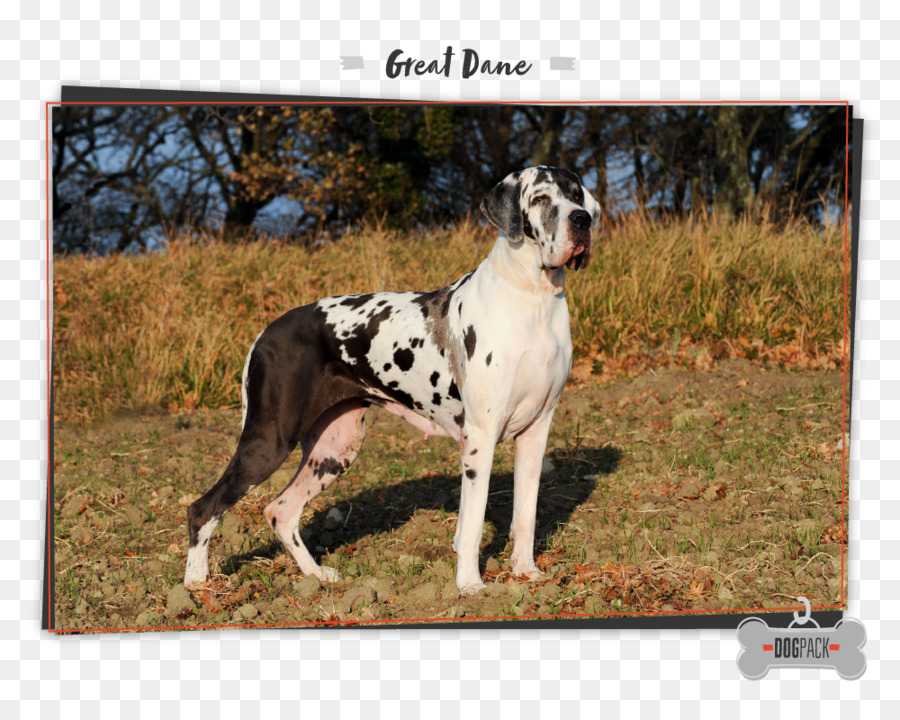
(481, 361)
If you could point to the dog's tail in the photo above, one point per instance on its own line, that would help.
(244, 382)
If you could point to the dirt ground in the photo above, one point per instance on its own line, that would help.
(676, 490)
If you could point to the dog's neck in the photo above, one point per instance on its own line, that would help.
(519, 262)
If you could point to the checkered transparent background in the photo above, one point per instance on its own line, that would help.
(628, 51)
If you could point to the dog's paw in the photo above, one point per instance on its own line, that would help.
(327, 574)
(471, 588)
(529, 570)
(195, 580)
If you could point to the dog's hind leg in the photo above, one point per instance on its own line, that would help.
(260, 452)
(329, 448)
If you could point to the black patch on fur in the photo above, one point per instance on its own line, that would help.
(453, 391)
(357, 346)
(356, 301)
(460, 419)
(469, 341)
(436, 399)
(569, 184)
(404, 358)
(435, 376)
(387, 366)
(526, 226)
(474, 451)
(470, 473)
(487, 360)
(329, 466)
(501, 207)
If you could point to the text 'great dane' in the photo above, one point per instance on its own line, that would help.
(482, 360)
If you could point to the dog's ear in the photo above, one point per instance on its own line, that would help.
(593, 207)
(501, 206)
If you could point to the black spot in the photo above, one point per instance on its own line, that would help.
(329, 466)
(474, 451)
(355, 301)
(380, 303)
(296, 539)
(459, 309)
(470, 473)
(487, 360)
(274, 522)
(460, 419)
(569, 184)
(435, 376)
(416, 342)
(469, 340)
(387, 366)
(436, 399)
(393, 384)
(526, 226)
(453, 391)
(206, 542)
(404, 358)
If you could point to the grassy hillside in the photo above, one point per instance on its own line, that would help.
(171, 330)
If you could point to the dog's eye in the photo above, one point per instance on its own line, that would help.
(539, 199)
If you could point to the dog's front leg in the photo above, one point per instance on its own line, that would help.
(477, 456)
(530, 447)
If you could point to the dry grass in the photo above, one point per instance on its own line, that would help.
(171, 330)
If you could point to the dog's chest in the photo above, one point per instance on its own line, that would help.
(538, 369)
(521, 356)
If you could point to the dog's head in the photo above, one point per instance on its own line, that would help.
(549, 208)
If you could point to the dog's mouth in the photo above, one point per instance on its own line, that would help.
(581, 255)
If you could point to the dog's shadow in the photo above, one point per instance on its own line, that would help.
(387, 507)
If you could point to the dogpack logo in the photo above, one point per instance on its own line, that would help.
(839, 647)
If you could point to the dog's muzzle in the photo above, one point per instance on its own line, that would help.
(580, 232)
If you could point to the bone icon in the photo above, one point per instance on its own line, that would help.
(839, 648)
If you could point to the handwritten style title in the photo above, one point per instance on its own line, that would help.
(397, 65)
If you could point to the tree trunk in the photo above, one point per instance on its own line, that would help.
(548, 147)
(733, 194)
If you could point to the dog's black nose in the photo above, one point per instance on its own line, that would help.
(581, 219)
